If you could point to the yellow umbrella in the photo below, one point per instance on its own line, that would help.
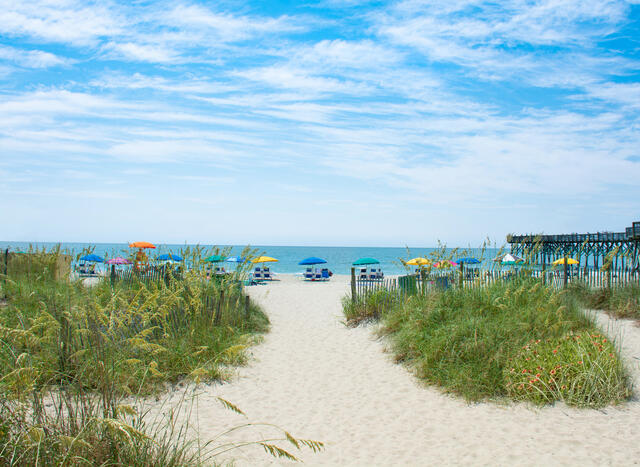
(418, 262)
(560, 261)
(264, 259)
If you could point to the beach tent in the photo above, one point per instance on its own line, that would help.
(311, 261)
(365, 261)
(92, 258)
(169, 257)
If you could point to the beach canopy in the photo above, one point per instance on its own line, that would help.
(118, 260)
(468, 261)
(508, 259)
(264, 259)
(418, 262)
(141, 245)
(365, 261)
(311, 261)
(560, 261)
(169, 257)
(236, 259)
(214, 259)
(93, 258)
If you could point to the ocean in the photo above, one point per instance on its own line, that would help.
(339, 259)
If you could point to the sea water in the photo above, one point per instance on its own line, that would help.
(338, 259)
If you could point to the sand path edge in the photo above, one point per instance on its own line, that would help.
(318, 379)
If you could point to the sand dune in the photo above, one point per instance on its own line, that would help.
(321, 380)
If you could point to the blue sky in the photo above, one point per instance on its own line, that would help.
(317, 123)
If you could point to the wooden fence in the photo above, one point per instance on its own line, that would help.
(34, 264)
(414, 284)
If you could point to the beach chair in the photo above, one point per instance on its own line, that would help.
(373, 275)
(324, 274)
(380, 274)
(308, 275)
(317, 275)
(363, 274)
(257, 276)
(266, 274)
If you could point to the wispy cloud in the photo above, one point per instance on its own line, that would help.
(430, 109)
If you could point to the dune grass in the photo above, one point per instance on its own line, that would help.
(467, 340)
(621, 302)
(74, 360)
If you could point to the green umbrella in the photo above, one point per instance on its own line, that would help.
(214, 259)
(365, 261)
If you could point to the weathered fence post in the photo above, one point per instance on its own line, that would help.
(353, 285)
(566, 272)
(218, 316)
(423, 278)
(461, 274)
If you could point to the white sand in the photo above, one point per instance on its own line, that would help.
(321, 380)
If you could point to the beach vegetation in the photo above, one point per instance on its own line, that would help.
(620, 301)
(77, 361)
(466, 340)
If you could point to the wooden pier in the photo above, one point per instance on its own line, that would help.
(618, 251)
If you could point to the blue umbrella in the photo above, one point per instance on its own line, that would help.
(311, 261)
(93, 258)
(467, 261)
(236, 259)
(169, 257)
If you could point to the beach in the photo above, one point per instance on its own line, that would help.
(320, 380)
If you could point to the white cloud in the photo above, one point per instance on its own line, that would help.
(64, 21)
(32, 58)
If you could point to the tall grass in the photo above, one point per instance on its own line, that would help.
(463, 339)
(71, 356)
(621, 302)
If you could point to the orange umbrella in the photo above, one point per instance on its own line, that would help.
(141, 245)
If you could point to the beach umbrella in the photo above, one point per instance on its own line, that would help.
(169, 257)
(311, 261)
(560, 261)
(264, 259)
(418, 262)
(508, 259)
(93, 258)
(141, 245)
(468, 261)
(365, 261)
(214, 259)
(445, 264)
(235, 259)
(118, 260)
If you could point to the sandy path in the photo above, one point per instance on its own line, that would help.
(323, 381)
